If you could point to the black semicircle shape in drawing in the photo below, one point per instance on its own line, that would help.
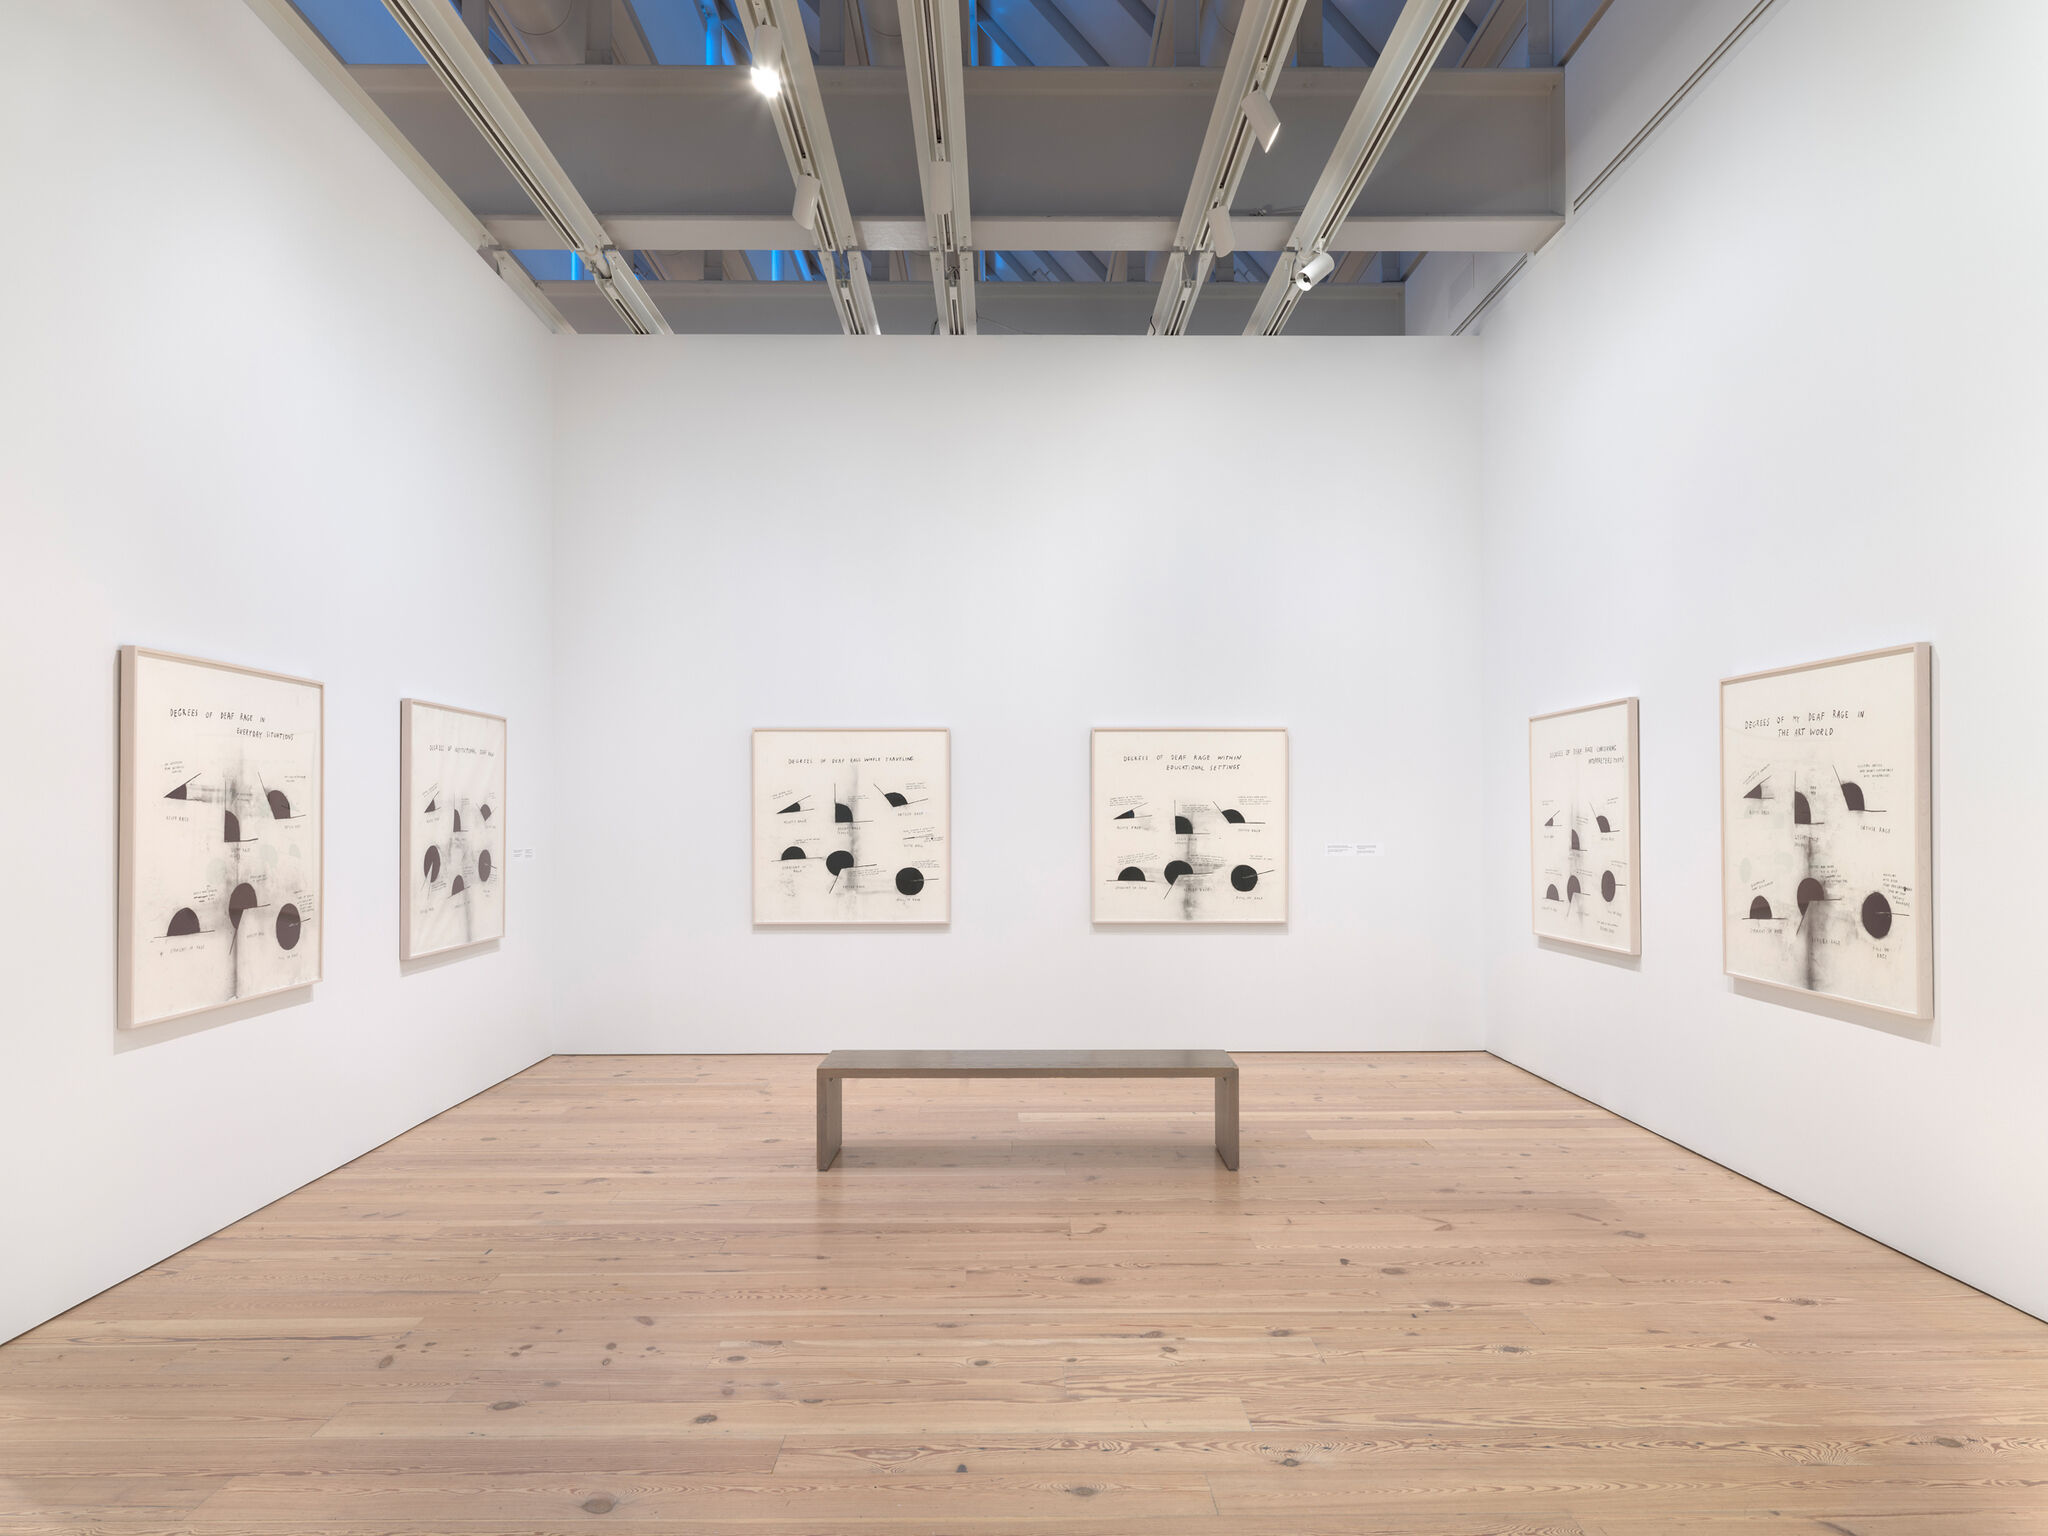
(838, 861)
(457, 886)
(432, 806)
(893, 798)
(1810, 891)
(1178, 868)
(1130, 815)
(792, 852)
(1759, 910)
(1802, 811)
(909, 881)
(1571, 888)
(180, 793)
(288, 927)
(1550, 893)
(1603, 824)
(430, 866)
(1131, 872)
(1182, 827)
(1877, 915)
(842, 813)
(1244, 877)
(1235, 818)
(183, 921)
(455, 823)
(1756, 793)
(1575, 839)
(240, 901)
(280, 804)
(484, 811)
(483, 865)
(1551, 822)
(230, 827)
(1607, 885)
(791, 809)
(1852, 795)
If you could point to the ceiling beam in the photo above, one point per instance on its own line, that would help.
(1419, 36)
(1050, 13)
(1265, 36)
(311, 50)
(932, 54)
(799, 114)
(452, 53)
(1520, 233)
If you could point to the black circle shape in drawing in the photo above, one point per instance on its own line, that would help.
(1603, 824)
(1877, 915)
(842, 813)
(1607, 886)
(240, 901)
(909, 881)
(483, 865)
(280, 807)
(838, 861)
(183, 921)
(1244, 877)
(1575, 839)
(1802, 812)
(792, 852)
(1759, 910)
(430, 866)
(1131, 872)
(1571, 888)
(457, 886)
(1852, 794)
(288, 926)
(1182, 827)
(1810, 891)
(1550, 893)
(1178, 868)
(1235, 818)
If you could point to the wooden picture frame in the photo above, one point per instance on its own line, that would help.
(222, 836)
(452, 876)
(1827, 882)
(814, 866)
(1585, 826)
(1173, 867)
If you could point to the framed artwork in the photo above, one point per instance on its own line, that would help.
(451, 833)
(1585, 838)
(221, 835)
(1827, 829)
(852, 826)
(1188, 826)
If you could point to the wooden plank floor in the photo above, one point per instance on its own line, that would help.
(1442, 1299)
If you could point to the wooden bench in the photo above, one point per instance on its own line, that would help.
(836, 1068)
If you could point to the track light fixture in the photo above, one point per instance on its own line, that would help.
(1260, 117)
(805, 209)
(768, 61)
(1314, 270)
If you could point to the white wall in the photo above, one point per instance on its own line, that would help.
(1018, 539)
(258, 403)
(1775, 396)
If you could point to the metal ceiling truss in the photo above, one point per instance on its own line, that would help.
(776, 39)
(1265, 36)
(311, 50)
(932, 53)
(1421, 34)
(461, 64)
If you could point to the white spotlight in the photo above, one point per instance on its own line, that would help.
(1260, 117)
(768, 61)
(805, 209)
(1314, 270)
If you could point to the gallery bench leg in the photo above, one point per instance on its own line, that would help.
(1226, 1120)
(829, 1119)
